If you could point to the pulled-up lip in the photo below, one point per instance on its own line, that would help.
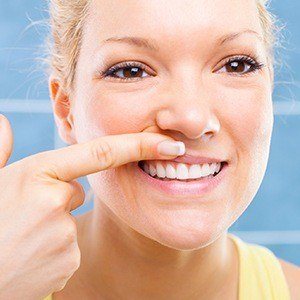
(192, 159)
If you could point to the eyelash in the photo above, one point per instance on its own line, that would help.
(120, 66)
(255, 65)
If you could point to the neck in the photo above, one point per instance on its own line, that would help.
(117, 260)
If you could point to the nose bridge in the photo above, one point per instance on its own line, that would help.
(188, 107)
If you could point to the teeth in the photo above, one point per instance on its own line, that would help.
(146, 168)
(206, 170)
(161, 172)
(180, 171)
(170, 171)
(195, 171)
(212, 168)
(152, 170)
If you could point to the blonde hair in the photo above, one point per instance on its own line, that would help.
(67, 19)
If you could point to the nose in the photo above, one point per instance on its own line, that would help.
(190, 112)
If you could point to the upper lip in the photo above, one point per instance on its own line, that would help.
(191, 159)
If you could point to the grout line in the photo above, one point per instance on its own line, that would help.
(25, 106)
(275, 237)
(44, 106)
(287, 108)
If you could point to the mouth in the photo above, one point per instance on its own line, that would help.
(182, 179)
(170, 171)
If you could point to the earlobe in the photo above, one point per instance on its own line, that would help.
(61, 106)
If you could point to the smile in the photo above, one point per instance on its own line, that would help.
(175, 178)
(166, 171)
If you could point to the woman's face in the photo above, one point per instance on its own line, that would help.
(176, 88)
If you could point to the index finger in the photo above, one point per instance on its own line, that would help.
(106, 152)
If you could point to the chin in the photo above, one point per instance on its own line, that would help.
(189, 235)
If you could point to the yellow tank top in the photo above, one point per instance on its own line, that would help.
(260, 273)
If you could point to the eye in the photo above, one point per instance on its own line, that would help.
(126, 71)
(241, 65)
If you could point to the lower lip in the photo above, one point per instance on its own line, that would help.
(196, 187)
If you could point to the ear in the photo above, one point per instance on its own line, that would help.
(61, 106)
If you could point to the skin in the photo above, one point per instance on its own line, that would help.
(128, 240)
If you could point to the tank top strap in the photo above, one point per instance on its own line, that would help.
(260, 273)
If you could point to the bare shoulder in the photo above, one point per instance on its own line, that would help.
(292, 274)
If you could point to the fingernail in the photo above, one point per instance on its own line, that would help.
(171, 148)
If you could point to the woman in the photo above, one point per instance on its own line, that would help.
(168, 107)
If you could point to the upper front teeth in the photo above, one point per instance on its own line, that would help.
(180, 170)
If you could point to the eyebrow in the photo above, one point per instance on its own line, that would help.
(235, 35)
(135, 41)
(151, 44)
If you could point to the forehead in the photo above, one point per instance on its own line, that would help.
(185, 18)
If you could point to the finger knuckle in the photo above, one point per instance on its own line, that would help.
(67, 190)
(70, 233)
(103, 153)
(61, 196)
(75, 263)
(67, 237)
(72, 264)
(60, 285)
(142, 148)
(57, 202)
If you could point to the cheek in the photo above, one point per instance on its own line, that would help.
(248, 119)
(114, 113)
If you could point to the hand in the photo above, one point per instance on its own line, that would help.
(39, 252)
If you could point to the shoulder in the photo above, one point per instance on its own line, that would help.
(292, 274)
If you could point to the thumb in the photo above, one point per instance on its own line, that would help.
(6, 140)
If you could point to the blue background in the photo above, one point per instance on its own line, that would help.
(273, 217)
